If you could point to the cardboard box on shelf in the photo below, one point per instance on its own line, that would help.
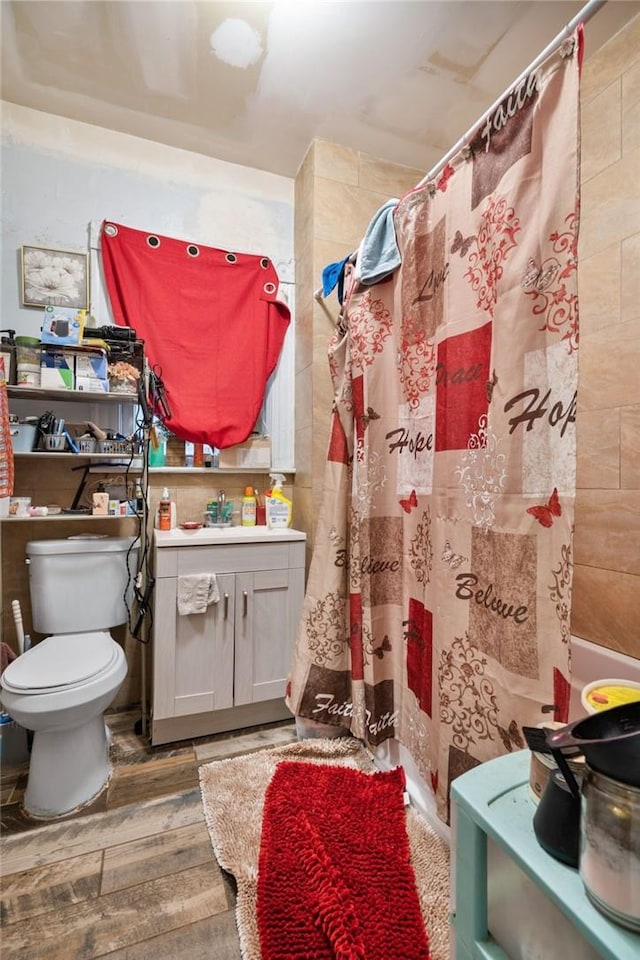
(92, 384)
(57, 370)
(62, 325)
(92, 365)
(254, 453)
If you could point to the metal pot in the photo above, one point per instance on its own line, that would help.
(610, 847)
(609, 741)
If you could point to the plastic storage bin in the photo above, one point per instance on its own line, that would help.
(23, 436)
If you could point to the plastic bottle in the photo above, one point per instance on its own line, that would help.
(157, 447)
(279, 507)
(248, 509)
(164, 511)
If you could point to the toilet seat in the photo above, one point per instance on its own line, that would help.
(62, 662)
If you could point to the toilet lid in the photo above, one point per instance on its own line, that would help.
(60, 661)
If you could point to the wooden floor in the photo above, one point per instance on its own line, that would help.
(133, 876)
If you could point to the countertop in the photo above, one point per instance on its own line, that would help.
(216, 535)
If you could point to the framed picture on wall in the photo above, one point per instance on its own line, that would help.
(59, 278)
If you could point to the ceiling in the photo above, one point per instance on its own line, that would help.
(254, 82)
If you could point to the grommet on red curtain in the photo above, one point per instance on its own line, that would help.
(269, 288)
(111, 230)
(193, 251)
(231, 258)
(153, 242)
(264, 263)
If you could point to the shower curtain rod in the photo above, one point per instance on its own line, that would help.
(581, 17)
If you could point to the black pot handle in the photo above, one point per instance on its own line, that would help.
(565, 770)
(563, 739)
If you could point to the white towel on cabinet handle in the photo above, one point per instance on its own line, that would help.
(196, 593)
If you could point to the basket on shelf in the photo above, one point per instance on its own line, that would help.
(55, 442)
(120, 448)
(127, 386)
(86, 444)
(123, 377)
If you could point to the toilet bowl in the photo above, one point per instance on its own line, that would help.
(60, 688)
(69, 763)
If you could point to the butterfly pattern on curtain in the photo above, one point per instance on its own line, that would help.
(438, 599)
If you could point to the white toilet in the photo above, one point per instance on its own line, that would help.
(61, 687)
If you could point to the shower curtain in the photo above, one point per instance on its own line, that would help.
(437, 606)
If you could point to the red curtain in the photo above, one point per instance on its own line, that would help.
(211, 323)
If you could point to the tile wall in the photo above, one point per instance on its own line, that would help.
(606, 582)
(337, 191)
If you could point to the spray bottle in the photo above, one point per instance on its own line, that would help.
(279, 507)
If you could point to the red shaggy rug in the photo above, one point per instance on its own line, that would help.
(334, 877)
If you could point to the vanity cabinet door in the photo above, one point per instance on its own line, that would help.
(193, 655)
(268, 607)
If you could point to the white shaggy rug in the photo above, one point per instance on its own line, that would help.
(233, 800)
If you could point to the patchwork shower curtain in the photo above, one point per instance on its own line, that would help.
(437, 606)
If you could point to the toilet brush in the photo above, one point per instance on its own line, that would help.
(24, 642)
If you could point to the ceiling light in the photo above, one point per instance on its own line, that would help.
(236, 43)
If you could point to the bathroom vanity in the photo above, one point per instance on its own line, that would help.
(226, 668)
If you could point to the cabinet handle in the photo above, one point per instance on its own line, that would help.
(244, 603)
(226, 605)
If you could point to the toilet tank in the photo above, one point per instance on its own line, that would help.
(79, 584)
